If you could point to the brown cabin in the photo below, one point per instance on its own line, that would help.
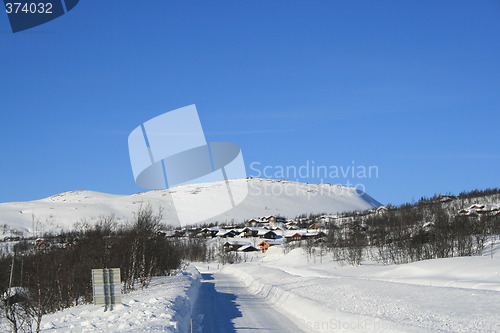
(295, 237)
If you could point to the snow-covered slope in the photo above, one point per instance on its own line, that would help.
(265, 197)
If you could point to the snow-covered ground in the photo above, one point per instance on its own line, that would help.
(297, 292)
(442, 295)
(165, 306)
(265, 197)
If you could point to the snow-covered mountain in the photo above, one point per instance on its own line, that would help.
(265, 197)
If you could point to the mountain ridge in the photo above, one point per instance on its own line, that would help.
(67, 210)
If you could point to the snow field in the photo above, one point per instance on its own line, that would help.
(443, 295)
(312, 315)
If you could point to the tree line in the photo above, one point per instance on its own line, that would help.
(36, 279)
(428, 229)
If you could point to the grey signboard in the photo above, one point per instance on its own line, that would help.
(106, 286)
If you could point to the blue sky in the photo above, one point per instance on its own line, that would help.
(412, 87)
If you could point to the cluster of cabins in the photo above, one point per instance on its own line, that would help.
(264, 239)
(45, 243)
(246, 246)
(257, 234)
(478, 209)
(263, 233)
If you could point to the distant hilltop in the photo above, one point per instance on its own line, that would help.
(265, 197)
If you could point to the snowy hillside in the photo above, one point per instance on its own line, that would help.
(265, 197)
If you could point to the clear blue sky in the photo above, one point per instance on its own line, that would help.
(412, 87)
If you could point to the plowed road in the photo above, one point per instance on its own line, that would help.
(226, 305)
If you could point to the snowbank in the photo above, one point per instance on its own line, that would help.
(165, 306)
(311, 313)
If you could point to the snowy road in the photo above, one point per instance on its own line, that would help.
(225, 305)
(443, 295)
